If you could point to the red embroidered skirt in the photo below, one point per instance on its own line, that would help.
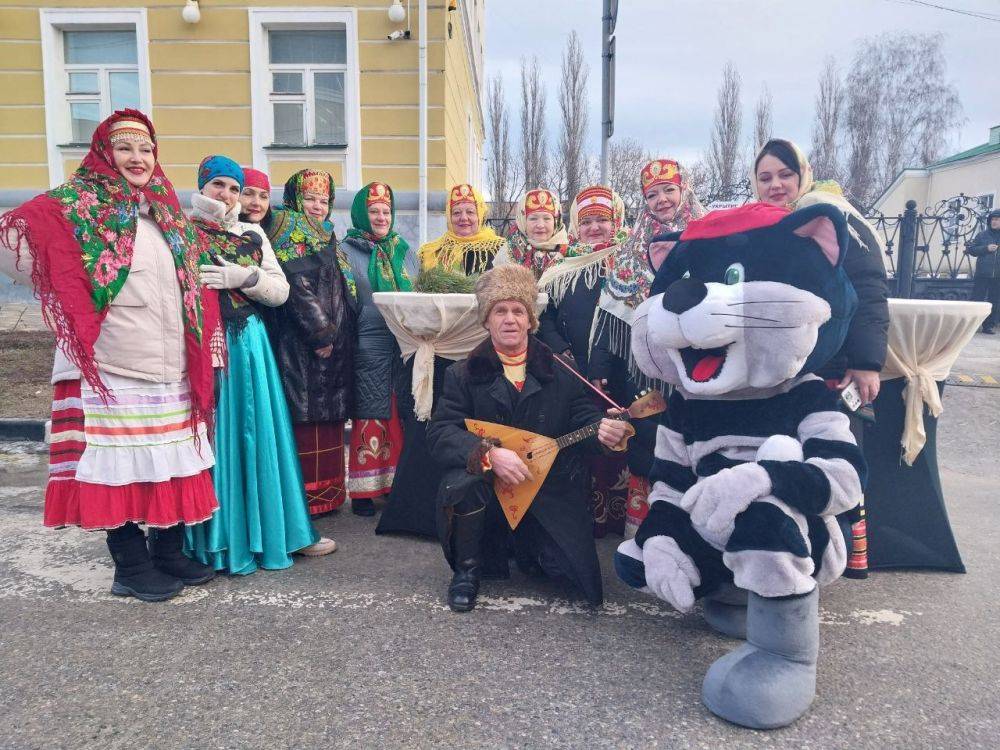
(638, 505)
(130, 435)
(375, 448)
(609, 493)
(321, 454)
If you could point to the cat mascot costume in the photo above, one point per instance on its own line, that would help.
(753, 460)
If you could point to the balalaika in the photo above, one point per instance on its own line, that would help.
(539, 452)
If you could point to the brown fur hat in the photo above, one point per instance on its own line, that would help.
(507, 282)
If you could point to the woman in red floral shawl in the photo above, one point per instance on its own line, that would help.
(114, 261)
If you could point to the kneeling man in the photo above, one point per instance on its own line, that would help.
(512, 379)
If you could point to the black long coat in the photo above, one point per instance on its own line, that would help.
(552, 403)
(868, 335)
(318, 313)
(568, 324)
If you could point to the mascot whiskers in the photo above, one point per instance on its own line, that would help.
(753, 460)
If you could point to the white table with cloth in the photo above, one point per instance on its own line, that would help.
(433, 331)
(906, 516)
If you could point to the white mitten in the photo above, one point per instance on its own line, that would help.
(227, 276)
(715, 501)
(670, 573)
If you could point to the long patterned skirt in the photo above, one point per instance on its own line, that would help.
(375, 448)
(262, 516)
(321, 455)
(638, 504)
(609, 493)
(134, 458)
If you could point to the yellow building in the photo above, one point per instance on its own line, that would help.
(276, 84)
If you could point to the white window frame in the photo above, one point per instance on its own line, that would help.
(58, 127)
(263, 20)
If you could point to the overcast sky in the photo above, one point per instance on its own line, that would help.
(670, 56)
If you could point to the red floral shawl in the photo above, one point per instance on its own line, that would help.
(81, 235)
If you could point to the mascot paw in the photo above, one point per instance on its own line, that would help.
(715, 501)
(670, 573)
(629, 565)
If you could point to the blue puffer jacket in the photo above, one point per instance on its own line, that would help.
(377, 363)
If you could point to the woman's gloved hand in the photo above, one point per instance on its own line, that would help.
(228, 276)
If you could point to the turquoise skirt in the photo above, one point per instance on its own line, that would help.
(262, 516)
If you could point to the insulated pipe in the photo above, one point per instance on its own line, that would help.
(422, 171)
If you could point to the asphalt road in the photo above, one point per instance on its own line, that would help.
(359, 650)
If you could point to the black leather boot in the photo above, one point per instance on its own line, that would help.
(467, 535)
(166, 551)
(134, 571)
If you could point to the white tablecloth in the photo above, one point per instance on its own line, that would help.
(429, 325)
(925, 339)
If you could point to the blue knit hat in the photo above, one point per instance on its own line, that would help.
(218, 166)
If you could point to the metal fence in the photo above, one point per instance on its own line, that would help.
(926, 252)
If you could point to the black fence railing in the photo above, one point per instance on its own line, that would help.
(926, 253)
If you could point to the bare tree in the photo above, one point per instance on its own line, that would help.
(762, 119)
(534, 147)
(901, 105)
(724, 152)
(626, 158)
(502, 170)
(829, 119)
(570, 156)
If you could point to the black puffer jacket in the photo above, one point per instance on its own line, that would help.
(377, 363)
(868, 335)
(319, 312)
(986, 262)
(567, 325)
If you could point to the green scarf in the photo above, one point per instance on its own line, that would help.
(386, 264)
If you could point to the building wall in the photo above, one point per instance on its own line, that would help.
(974, 177)
(200, 81)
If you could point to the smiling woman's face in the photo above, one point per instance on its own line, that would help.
(777, 183)
(135, 161)
(223, 189)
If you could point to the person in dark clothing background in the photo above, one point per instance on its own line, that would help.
(987, 279)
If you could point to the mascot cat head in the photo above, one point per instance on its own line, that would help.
(746, 299)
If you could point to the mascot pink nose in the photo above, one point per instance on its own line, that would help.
(684, 294)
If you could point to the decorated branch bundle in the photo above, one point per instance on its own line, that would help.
(439, 280)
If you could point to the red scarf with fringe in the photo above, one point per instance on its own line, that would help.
(81, 237)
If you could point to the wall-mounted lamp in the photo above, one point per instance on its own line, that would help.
(191, 12)
(397, 14)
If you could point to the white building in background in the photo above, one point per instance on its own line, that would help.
(974, 172)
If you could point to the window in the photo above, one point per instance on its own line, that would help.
(102, 75)
(94, 61)
(307, 69)
(305, 84)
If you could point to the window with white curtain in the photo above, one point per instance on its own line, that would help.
(307, 70)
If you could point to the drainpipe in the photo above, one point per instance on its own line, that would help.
(422, 172)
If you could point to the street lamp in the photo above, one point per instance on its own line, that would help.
(397, 14)
(191, 12)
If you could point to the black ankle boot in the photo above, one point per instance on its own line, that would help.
(134, 571)
(467, 533)
(363, 506)
(166, 552)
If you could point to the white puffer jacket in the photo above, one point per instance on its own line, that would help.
(271, 288)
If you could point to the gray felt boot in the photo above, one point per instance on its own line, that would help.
(725, 610)
(769, 681)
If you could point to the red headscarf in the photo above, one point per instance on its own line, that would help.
(80, 236)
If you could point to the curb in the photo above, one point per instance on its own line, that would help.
(23, 429)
